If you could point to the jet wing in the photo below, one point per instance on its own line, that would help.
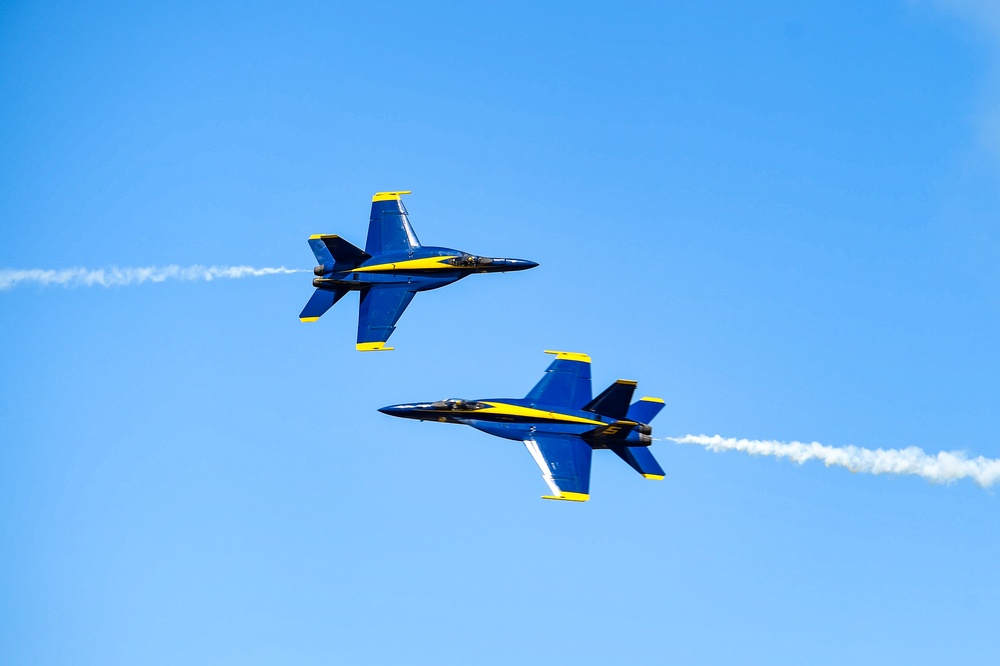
(565, 465)
(380, 309)
(389, 227)
(566, 382)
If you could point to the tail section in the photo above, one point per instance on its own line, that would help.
(333, 251)
(321, 301)
(613, 401)
(639, 458)
(645, 410)
(619, 430)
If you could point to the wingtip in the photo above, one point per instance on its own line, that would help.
(568, 497)
(372, 346)
(569, 356)
(389, 196)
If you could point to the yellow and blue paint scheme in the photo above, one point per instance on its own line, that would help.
(560, 423)
(391, 269)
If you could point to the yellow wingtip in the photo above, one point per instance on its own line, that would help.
(655, 477)
(568, 497)
(389, 196)
(320, 236)
(373, 346)
(569, 356)
(308, 319)
(648, 399)
(627, 382)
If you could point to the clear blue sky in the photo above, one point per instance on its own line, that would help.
(780, 217)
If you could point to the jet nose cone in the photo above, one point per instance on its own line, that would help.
(396, 410)
(515, 264)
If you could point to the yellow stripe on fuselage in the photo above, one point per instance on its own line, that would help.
(503, 409)
(425, 264)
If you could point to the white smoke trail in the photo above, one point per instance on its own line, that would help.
(122, 277)
(945, 467)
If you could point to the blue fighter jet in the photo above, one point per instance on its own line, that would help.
(560, 424)
(392, 268)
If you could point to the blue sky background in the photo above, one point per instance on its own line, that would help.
(780, 217)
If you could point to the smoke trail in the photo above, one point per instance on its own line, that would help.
(122, 277)
(945, 467)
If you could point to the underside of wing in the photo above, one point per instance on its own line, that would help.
(565, 465)
(566, 382)
(380, 309)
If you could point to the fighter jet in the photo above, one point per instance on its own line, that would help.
(560, 424)
(389, 271)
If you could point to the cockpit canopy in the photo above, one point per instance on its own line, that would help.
(469, 260)
(457, 405)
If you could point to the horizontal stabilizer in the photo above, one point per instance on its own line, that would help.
(332, 250)
(645, 410)
(639, 458)
(321, 301)
(613, 401)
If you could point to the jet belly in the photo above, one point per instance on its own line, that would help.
(514, 431)
(418, 271)
(365, 280)
(522, 431)
(516, 419)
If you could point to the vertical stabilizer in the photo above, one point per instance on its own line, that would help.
(645, 410)
(613, 400)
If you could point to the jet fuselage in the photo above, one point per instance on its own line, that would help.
(519, 419)
(420, 269)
